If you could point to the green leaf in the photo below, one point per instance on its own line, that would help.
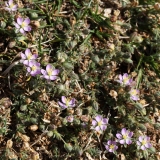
(138, 106)
(145, 154)
(139, 77)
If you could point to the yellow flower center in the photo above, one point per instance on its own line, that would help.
(134, 92)
(11, 5)
(125, 136)
(125, 79)
(29, 56)
(144, 142)
(99, 123)
(49, 72)
(111, 146)
(23, 24)
(34, 68)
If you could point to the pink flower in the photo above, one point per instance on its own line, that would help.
(125, 80)
(125, 136)
(23, 25)
(28, 57)
(70, 118)
(50, 73)
(134, 94)
(10, 6)
(66, 102)
(99, 123)
(110, 146)
(144, 142)
(34, 68)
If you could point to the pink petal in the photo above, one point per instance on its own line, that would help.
(138, 143)
(123, 131)
(46, 76)
(49, 67)
(43, 72)
(16, 25)
(23, 56)
(34, 56)
(63, 99)
(72, 102)
(143, 147)
(97, 128)
(148, 145)
(28, 52)
(55, 72)
(110, 150)
(122, 141)
(119, 136)
(98, 118)
(141, 138)
(107, 147)
(27, 21)
(120, 77)
(10, 2)
(19, 20)
(105, 121)
(22, 31)
(109, 142)
(125, 75)
(103, 127)
(62, 105)
(26, 62)
(130, 134)
(128, 141)
(94, 123)
(27, 28)
(53, 77)
(28, 69)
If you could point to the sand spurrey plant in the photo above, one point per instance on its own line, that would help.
(67, 96)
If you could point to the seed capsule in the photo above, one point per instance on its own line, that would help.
(33, 127)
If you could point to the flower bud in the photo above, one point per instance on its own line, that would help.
(33, 120)
(68, 147)
(23, 108)
(157, 6)
(157, 126)
(95, 58)
(78, 111)
(42, 127)
(49, 133)
(35, 156)
(12, 44)
(78, 150)
(111, 47)
(9, 143)
(33, 15)
(129, 61)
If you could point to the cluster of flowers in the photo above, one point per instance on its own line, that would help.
(33, 67)
(27, 58)
(125, 80)
(99, 124)
(22, 24)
